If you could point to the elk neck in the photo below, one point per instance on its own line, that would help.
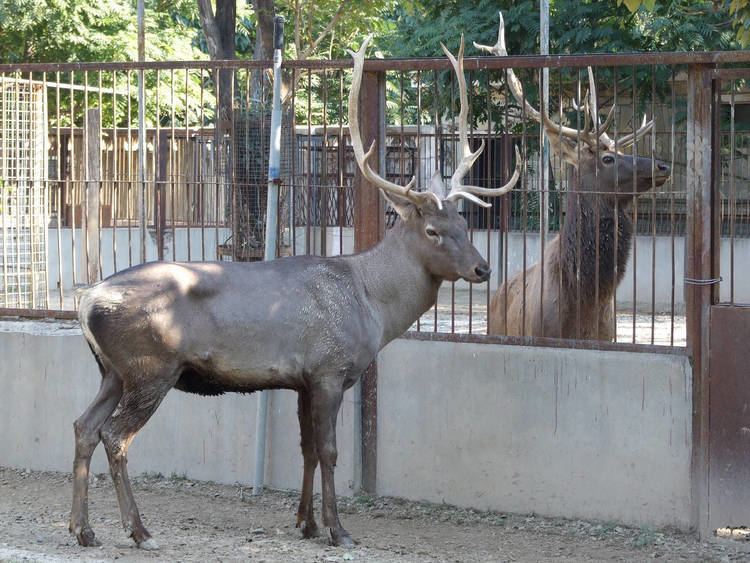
(592, 218)
(396, 283)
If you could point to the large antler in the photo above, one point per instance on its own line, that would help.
(362, 157)
(593, 132)
(467, 157)
(604, 138)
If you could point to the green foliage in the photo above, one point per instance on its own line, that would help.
(77, 30)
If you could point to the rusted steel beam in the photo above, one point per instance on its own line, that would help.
(368, 230)
(544, 342)
(379, 65)
(700, 269)
(37, 314)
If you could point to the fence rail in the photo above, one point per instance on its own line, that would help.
(206, 143)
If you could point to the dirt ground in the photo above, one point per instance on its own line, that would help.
(198, 521)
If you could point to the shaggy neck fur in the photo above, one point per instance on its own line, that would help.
(587, 215)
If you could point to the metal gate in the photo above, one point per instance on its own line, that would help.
(719, 335)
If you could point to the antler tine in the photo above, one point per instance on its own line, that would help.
(469, 192)
(362, 157)
(514, 84)
(467, 157)
(632, 138)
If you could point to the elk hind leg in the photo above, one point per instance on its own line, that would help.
(138, 403)
(326, 400)
(305, 512)
(87, 428)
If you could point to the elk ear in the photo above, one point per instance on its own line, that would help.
(436, 184)
(565, 147)
(401, 205)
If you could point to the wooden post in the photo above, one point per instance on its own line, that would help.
(93, 204)
(701, 266)
(160, 203)
(369, 223)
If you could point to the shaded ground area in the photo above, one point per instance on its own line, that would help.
(197, 521)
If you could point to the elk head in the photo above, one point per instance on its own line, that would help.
(433, 229)
(600, 161)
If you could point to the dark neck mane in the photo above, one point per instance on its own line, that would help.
(587, 214)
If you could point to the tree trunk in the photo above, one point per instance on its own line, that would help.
(265, 11)
(219, 31)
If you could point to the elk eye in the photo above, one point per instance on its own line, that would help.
(608, 159)
(430, 232)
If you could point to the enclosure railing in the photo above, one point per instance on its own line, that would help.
(206, 154)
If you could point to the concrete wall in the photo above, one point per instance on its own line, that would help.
(49, 377)
(558, 432)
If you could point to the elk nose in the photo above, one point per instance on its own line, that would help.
(663, 167)
(483, 271)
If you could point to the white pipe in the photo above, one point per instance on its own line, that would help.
(142, 130)
(272, 208)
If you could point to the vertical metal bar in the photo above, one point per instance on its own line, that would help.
(197, 149)
(653, 205)
(368, 228)
(58, 165)
(524, 214)
(115, 178)
(488, 169)
(542, 175)
(293, 169)
(308, 168)
(173, 170)
(732, 191)
(635, 206)
(4, 148)
(419, 146)
(700, 265)
(101, 175)
(673, 274)
(72, 191)
(201, 168)
(469, 213)
(324, 187)
(341, 165)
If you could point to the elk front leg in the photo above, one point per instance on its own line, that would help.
(305, 513)
(326, 400)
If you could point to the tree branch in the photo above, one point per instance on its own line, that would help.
(331, 24)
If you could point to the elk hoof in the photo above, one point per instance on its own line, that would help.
(341, 538)
(86, 538)
(148, 545)
(309, 529)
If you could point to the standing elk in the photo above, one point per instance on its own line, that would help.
(570, 294)
(310, 324)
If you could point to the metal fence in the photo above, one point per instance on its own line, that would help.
(202, 191)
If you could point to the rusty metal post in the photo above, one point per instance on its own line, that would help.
(701, 267)
(93, 185)
(369, 225)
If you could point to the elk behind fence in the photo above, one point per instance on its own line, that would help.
(205, 179)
